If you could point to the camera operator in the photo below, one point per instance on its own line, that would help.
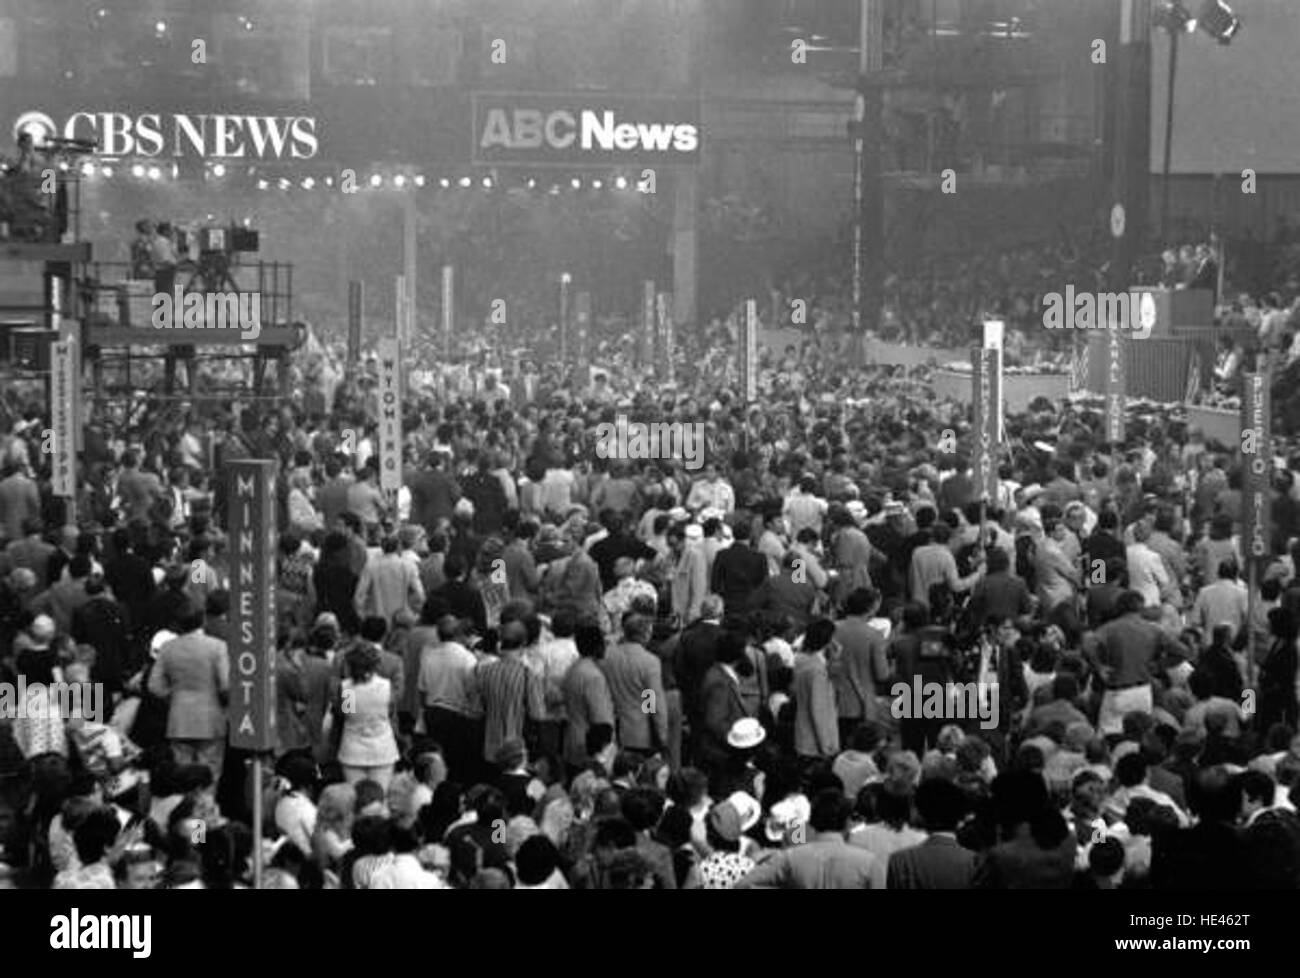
(164, 257)
(142, 250)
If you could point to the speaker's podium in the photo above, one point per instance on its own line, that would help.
(1159, 364)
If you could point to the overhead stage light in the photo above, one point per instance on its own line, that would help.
(1173, 16)
(1217, 20)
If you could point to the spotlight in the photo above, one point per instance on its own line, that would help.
(487, 183)
(1217, 19)
(176, 170)
(555, 189)
(63, 166)
(532, 184)
(262, 184)
(576, 184)
(219, 170)
(376, 180)
(87, 169)
(621, 183)
(399, 180)
(444, 183)
(596, 185)
(284, 183)
(329, 181)
(155, 173)
(1173, 16)
(419, 180)
(107, 171)
(137, 170)
(308, 183)
(465, 182)
(160, 27)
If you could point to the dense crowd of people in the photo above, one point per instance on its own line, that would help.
(540, 666)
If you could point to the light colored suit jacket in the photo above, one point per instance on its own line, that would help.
(816, 733)
(587, 701)
(193, 674)
(632, 673)
(824, 862)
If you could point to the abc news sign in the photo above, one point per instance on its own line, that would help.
(164, 134)
(584, 130)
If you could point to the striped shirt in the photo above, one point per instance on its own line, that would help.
(512, 694)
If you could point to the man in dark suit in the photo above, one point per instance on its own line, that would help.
(434, 494)
(102, 623)
(1001, 594)
(618, 544)
(696, 651)
(940, 862)
(738, 570)
(1207, 270)
(485, 491)
(130, 577)
(63, 553)
(958, 489)
(1037, 850)
(1272, 835)
(720, 703)
(1212, 854)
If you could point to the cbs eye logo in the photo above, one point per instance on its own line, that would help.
(38, 125)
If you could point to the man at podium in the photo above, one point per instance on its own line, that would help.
(1206, 275)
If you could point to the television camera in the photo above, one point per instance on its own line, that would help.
(209, 253)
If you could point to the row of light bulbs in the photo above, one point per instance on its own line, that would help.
(400, 182)
(376, 181)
